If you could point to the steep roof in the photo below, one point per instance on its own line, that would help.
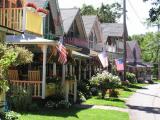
(112, 29)
(68, 16)
(88, 23)
(132, 44)
(39, 3)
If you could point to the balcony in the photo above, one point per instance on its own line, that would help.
(76, 42)
(11, 18)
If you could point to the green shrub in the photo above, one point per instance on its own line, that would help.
(84, 88)
(104, 81)
(9, 115)
(19, 98)
(131, 77)
(61, 104)
(113, 93)
(33, 107)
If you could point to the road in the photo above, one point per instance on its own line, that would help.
(145, 103)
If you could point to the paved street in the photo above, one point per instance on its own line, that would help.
(145, 104)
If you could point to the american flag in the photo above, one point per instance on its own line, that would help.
(62, 52)
(119, 64)
(103, 58)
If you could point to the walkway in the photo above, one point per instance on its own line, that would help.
(145, 103)
(102, 107)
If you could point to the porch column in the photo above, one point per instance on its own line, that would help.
(79, 75)
(66, 90)
(66, 69)
(85, 72)
(54, 69)
(63, 75)
(73, 69)
(70, 70)
(44, 50)
(75, 91)
(89, 71)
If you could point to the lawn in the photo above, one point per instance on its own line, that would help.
(107, 102)
(76, 114)
(124, 93)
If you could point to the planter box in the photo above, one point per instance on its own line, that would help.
(50, 89)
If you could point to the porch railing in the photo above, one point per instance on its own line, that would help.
(11, 18)
(77, 42)
(25, 84)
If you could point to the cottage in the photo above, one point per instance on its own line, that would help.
(42, 26)
(135, 64)
(113, 39)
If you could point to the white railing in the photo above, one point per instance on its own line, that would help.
(25, 84)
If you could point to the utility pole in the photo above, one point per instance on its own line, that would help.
(125, 36)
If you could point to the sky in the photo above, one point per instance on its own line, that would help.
(137, 12)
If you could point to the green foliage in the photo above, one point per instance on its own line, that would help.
(23, 56)
(19, 98)
(4, 87)
(154, 12)
(131, 77)
(53, 79)
(11, 55)
(88, 10)
(150, 46)
(106, 13)
(59, 104)
(11, 115)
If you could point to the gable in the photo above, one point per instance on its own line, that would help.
(70, 17)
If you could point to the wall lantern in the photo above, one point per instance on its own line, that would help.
(31, 7)
(42, 12)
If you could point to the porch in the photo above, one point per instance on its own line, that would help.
(11, 18)
(45, 75)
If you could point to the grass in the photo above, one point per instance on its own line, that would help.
(124, 93)
(75, 114)
(107, 102)
(130, 90)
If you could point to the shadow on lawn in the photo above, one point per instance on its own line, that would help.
(131, 87)
(111, 99)
(71, 112)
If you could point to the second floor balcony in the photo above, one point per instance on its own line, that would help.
(11, 18)
(76, 42)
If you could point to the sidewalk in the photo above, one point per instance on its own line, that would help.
(102, 107)
(145, 103)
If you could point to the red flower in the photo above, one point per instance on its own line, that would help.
(31, 5)
(42, 10)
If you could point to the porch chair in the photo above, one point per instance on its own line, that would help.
(13, 75)
(34, 75)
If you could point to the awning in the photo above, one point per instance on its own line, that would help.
(78, 54)
(28, 39)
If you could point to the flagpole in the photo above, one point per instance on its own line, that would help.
(124, 37)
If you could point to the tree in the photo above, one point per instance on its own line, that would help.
(11, 55)
(88, 10)
(106, 13)
(154, 12)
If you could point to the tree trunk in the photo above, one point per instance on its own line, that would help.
(158, 70)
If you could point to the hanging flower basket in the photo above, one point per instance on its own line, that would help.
(31, 7)
(42, 12)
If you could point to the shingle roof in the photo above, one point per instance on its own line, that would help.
(39, 3)
(112, 29)
(132, 44)
(68, 16)
(88, 23)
